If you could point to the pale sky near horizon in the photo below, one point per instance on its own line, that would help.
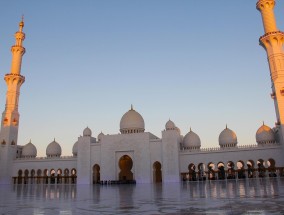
(196, 62)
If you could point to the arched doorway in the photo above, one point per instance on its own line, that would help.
(73, 176)
(201, 171)
(59, 176)
(38, 177)
(52, 176)
(191, 172)
(20, 175)
(125, 164)
(221, 170)
(66, 176)
(96, 174)
(157, 172)
(32, 176)
(250, 168)
(26, 177)
(271, 167)
(241, 169)
(231, 170)
(261, 168)
(211, 171)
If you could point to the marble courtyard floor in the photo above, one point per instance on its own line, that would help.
(250, 196)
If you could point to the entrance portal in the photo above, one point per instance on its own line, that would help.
(157, 172)
(125, 164)
(96, 174)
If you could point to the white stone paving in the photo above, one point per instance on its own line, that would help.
(252, 196)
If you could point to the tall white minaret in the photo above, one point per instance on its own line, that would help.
(10, 116)
(272, 41)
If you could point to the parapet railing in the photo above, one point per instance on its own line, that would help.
(228, 148)
(46, 158)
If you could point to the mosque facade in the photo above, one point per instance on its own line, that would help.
(138, 156)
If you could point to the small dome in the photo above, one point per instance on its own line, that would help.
(29, 150)
(75, 149)
(178, 130)
(227, 138)
(191, 140)
(265, 135)
(170, 125)
(132, 122)
(100, 136)
(53, 149)
(87, 132)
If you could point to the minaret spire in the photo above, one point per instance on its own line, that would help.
(18, 50)
(14, 81)
(21, 24)
(10, 116)
(272, 41)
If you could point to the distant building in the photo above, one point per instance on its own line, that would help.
(138, 156)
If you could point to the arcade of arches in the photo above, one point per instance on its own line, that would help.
(230, 170)
(46, 176)
(201, 171)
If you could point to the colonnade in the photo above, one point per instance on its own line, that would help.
(48, 177)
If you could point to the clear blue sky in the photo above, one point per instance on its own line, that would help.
(86, 62)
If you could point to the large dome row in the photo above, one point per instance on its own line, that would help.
(52, 150)
(191, 140)
(227, 137)
(133, 122)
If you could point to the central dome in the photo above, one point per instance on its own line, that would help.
(132, 122)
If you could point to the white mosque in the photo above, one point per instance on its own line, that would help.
(136, 156)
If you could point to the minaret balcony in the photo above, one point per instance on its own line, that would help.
(273, 95)
(272, 33)
(13, 76)
(18, 49)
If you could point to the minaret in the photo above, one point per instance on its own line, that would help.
(272, 41)
(10, 116)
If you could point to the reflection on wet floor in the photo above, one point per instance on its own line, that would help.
(250, 196)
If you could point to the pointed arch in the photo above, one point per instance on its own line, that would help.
(96, 174)
(125, 164)
(157, 172)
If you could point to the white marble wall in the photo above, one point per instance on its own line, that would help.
(170, 155)
(136, 146)
(84, 169)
